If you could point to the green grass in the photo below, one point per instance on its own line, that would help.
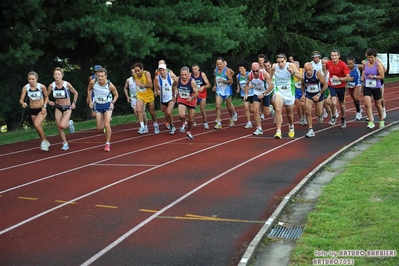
(358, 210)
(50, 128)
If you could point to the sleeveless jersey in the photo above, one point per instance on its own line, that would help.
(200, 82)
(223, 89)
(317, 66)
(297, 81)
(34, 95)
(102, 94)
(143, 92)
(355, 73)
(312, 84)
(260, 84)
(371, 83)
(62, 93)
(166, 88)
(185, 91)
(241, 82)
(284, 81)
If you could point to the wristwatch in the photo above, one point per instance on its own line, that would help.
(319, 94)
(375, 76)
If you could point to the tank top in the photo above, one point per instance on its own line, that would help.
(62, 93)
(200, 82)
(371, 83)
(259, 83)
(102, 94)
(36, 94)
(284, 81)
(312, 84)
(185, 91)
(222, 88)
(166, 88)
(242, 81)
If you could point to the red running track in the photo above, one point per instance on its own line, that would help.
(156, 199)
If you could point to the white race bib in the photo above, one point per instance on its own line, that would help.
(351, 85)
(59, 94)
(141, 89)
(35, 95)
(103, 99)
(371, 83)
(313, 88)
(282, 88)
(335, 82)
(184, 94)
(298, 84)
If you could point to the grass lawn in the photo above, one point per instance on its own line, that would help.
(358, 210)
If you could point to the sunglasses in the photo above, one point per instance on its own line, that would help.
(255, 71)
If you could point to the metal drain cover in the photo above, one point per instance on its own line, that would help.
(283, 232)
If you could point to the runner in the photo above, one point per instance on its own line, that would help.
(37, 96)
(300, 105)
(61, 91)
(354, 86)
(224, 92)
(145, 97)
(313, 87)
(130, 90)
(372, 75)
(202, 85)
(284, 95)
(259, 80)
(248, 102)
(103, 103)
(91, 77)
(187, 91)
(339, 73)
(163, 88)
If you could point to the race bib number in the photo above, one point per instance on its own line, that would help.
(34, 95)
(141, 89)
(335, 82)
(282, 88)
(313, 88)
(184, 94)
(298, 84)
(102, 99)
(59, 94)
(371, 83)
(351, 85)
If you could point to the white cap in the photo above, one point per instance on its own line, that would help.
(162, 66)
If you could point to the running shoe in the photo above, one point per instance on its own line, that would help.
(142, 130)
(231, 122)
(218, 126)
(248, 125)
(235, 117)
(189, 136)
(301, 121)
(183, 128)
(206, 126)
(325, 114)
(262, 116)
(320, 119)
(382, 123)
(172, 130)
(333, 121)
(384, 113)
(107, 147)
(278, 135)
(310, 133)
(274, 121)
(44, 145)
(167, 125)
(195, 123)
(71, 127)
(258, 131)
(370, 125)
(343, 124)
(156, 129)
(291, 133)
(367, 119)
(65, 147)
(336, 113)
(305, 122)
(359, 115)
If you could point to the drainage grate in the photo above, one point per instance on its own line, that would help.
(285, 232)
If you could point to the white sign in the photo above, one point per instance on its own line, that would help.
(384, 59)
(393, 63)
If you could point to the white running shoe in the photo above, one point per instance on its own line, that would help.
(384, 113)
(262, 116)
(310, 133)
(231, 122)
(44, 145)
(258, 131)
(235, 117)
(359, 115)
(336, 113)
(272, 112)
(71, 127)
(142, 130)
(183, 128)
(320, 119)
(156, 129)
(325, 114)
(206, 126)
(190, 136)
(65, 147)
(172, 130)
(248, 125)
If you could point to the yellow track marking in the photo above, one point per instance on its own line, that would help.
(27, 198)
(106, 206)
(146, 210)
(64, 201)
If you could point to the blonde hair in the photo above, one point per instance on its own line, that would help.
(33, 73)
(59, 69)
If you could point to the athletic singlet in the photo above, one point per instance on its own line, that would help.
(260, 84)
(297, 81)
(317, 66)
(102, 94)
(185, 91)
(242, 81)
(61, 93)
(165, 86)
(355, 73)
(132, 88)
(34, 95)
(371, 83)
(143, 80)
(312, 84)
(223, 89)
(200, 82)
(284, 81)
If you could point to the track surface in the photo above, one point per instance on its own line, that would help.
(156, 199)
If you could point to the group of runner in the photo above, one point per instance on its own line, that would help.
(265, 89)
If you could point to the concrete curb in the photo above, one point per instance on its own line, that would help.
(250, 252)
